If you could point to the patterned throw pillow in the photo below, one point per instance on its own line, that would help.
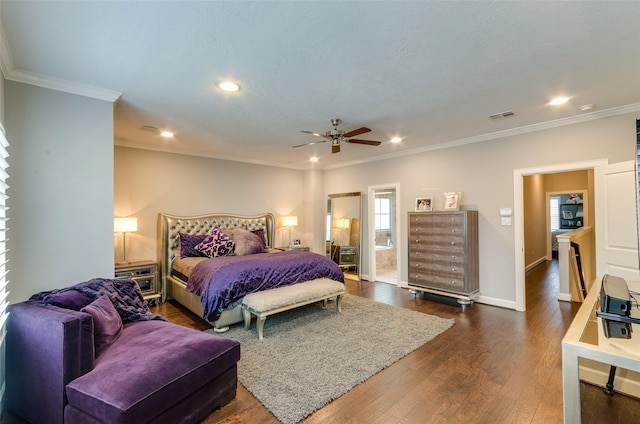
(216, 244)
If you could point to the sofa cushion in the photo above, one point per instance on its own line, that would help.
(150, 368)
(107, 324)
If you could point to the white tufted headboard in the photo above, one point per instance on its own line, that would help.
(170, 226)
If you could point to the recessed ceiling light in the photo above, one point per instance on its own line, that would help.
(587, 108)
(313, 159)
(229, 86)
(559, 101)
(167, 134)
(396, 140)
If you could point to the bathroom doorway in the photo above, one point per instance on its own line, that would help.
(384, 228)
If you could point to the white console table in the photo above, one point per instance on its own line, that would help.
(585, 339)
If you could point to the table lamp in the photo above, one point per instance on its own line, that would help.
(124, 226)
(290, 221)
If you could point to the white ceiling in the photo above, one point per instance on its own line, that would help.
(429, 72)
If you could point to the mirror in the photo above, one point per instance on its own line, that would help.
(343, 232)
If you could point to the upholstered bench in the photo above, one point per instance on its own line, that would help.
(269, 302)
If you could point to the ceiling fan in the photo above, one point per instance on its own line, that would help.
(335, 136)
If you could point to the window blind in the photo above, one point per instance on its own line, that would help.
(554, 210)
(4, 269)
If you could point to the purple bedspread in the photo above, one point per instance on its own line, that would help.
(223, 280)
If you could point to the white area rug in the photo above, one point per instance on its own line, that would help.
(310, 356)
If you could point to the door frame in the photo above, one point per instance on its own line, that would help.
(518, 215)
(371, 236)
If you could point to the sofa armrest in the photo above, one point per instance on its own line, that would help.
(47, 347)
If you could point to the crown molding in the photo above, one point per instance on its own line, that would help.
(10, 72)
(592, 116)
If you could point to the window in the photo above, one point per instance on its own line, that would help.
(554, 209)
(4, 303)
(383, 213)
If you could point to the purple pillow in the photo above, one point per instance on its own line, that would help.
(247, 243)
(260, 233)
(68, 299)
(107, 324)
(216, 244)
(188, 245)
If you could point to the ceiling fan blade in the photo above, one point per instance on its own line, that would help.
(367, 142)
(357, 132)
(335, 148)
(309, 144)
(313, 133)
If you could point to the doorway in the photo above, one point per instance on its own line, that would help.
(384, 236)
(518, 209)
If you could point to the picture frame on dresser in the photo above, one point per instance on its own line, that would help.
(297, 242)
(451, 201)
(424, 204)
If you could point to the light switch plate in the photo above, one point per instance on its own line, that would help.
(506, 220)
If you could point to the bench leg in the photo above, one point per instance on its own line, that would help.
(247, 318)
(260, 325)
(338, 299)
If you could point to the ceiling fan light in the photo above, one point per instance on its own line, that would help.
(396, 140)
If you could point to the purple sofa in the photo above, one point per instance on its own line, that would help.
(154, 371)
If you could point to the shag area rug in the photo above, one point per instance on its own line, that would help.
(310, 355)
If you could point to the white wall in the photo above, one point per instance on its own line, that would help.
(148, 183)
(61, 195)
(483, 172)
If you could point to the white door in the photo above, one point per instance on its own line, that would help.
(616, 220)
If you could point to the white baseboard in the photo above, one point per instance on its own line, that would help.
(494, 301)
(565, 297)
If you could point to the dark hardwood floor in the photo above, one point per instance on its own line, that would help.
(493, 366)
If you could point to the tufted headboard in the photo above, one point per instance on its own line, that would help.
(170, 226)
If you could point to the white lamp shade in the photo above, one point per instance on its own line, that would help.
(290, 221)
(125, 225)
(342, 223)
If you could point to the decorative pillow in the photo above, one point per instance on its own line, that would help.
(247, 243)
(188, 245)
(260, 233)
(216, 244)
(68, 299)
(107, 324)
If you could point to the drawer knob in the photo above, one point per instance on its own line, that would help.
(453, 242)
(453, 281)
(417, 241)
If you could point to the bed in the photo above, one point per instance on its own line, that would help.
(175, 271)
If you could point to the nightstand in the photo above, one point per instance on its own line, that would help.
(146, 275)
(303, 248)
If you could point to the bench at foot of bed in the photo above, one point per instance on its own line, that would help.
(269, 302)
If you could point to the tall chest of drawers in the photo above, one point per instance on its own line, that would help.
(443, 254)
